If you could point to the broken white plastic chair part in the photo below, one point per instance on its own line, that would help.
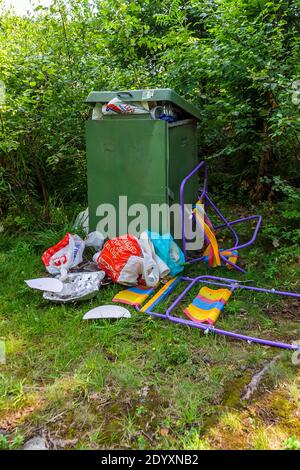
(48, 284)
(107, 311)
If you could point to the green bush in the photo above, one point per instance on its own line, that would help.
(237, 60)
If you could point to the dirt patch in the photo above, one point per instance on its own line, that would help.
(14, 418)
(111, 420)
(281, 312)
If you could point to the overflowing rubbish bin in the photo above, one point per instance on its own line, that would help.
(140, 144)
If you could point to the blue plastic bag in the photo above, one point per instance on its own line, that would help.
(166, 248)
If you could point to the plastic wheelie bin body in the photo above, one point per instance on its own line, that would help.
(139, 157)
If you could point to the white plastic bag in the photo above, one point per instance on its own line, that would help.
(95, 240)
(164, 270)
(132, 271)
(153, 267)
(150, 269)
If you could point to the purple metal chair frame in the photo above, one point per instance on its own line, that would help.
(233, 285)
(207, 201)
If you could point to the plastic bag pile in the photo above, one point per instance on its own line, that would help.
(126, 259)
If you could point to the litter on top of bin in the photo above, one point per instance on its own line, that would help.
(117, 106)
(166, 112)
(147, 99)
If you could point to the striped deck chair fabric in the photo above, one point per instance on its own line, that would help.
(134, 296)
(207, 228)
(212, 252)
(208, 305)
(232, 256)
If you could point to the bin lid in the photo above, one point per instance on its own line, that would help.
(156, 94)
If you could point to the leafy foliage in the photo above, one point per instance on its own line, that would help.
(237, 60)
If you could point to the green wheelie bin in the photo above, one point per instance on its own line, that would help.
(141, 156)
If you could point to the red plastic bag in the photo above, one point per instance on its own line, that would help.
(121, 259)
(64, 255)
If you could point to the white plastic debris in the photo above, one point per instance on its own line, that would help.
(49, 284)
(95, 240)
(97, 114)
(36, 443)
(82, 221)
(107, 311)
(96, 256)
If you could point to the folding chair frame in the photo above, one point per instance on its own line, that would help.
(231, 284)
(207, 201)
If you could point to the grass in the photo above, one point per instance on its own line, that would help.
(144, 383)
